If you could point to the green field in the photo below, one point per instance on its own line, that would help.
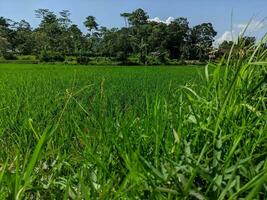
(75, 132)
(40, 92)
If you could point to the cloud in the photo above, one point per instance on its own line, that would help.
(158, 20)
(226, 36)
(252, 26)
(169, 20)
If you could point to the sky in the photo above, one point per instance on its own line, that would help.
(107, 12)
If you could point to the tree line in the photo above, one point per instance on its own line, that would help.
(140, 41)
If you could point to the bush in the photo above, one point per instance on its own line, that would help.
(19, 61)
(102, 61)
(158, 58)
(48, 56)
(71, 60)
(122, 57)
(83, 60)
(9, 56)
(27, 57)
(142, 59)
(152, 60)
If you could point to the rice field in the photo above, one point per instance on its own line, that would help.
(187, 132)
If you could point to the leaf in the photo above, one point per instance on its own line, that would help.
(33, 161)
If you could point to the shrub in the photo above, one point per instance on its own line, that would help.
(157, 58)
(9, 56)
(19, 61)
(142, 59)
(27, 57)
(48, 56)
(152, 60)
(83, 60)
(102, 61)
(122, 57)
(70, 60)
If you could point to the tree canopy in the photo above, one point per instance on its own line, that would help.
(148, 41)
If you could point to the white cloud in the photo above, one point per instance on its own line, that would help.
(226, 36)
(252, 26)
(158, 20)
(169, 20)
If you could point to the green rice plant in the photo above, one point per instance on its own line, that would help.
(135, 132)
(232, 119)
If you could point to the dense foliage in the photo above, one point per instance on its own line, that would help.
(141, 41)
(147, 41)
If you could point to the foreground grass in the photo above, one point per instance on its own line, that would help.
(134, 133)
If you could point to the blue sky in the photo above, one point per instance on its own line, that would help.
(107, 12)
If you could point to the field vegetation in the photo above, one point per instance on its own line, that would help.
(141, 41)
(70, 132)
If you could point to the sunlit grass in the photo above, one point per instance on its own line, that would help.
(135, 133)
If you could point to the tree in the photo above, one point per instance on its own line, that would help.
(5, 36)
(90, 23)
(246, 45)
(123, 46)
(64, 19)
(49, 32)
(24, 38)
(119, 44)
(75, 39)
(4, 23)
(52, 35)
(177, 37)
(126, 18)
(108, 41)
(3, 45)
(225, 47)
(246, 41)
(201, 40)
(57, 37)
(157, 38)
(138, 17)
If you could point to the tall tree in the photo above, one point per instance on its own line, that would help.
(3, 45)
(126, 18)
(177, 37)
(4, 23)
(140, 38)
(90, 23)
(24, 38)
(157, 38)
(64, 19)
(138, 17)
(5, 36)
(75, 39)
(49, 32)
(201, 40)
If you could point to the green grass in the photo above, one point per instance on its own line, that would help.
(70, 132)
(88, 106)
(40, 92)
